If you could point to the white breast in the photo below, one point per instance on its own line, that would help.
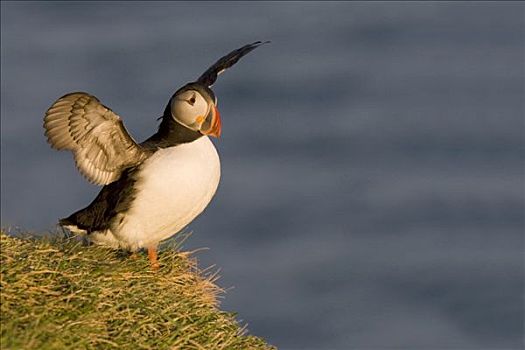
(174, 186)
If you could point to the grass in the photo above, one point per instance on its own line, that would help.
(59, 294)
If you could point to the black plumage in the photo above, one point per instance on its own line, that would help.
(209, 77)
(115, 198)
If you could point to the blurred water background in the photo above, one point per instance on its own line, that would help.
(372, 190)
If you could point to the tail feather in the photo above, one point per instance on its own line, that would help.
(72, 227)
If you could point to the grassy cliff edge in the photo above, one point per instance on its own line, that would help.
(58, 294)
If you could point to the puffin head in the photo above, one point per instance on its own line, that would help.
(195, 106)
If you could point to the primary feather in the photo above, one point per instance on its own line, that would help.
(100, 143)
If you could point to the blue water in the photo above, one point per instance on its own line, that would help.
(372, 155)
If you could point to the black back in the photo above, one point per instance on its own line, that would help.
(113, 199)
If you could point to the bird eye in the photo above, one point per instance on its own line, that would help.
(191, 101)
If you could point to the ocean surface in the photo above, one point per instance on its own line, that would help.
(372, 191)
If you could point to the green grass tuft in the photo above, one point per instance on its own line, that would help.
(59, 294)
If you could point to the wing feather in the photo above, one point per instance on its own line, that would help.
(100, 143)
(210, 76)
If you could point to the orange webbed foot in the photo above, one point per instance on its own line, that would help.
(152, 256)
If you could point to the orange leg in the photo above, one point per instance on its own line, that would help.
(152, 255)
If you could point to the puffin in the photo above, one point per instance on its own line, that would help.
(151, 190)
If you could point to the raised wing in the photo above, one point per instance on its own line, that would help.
(210, 76)
(101, 145)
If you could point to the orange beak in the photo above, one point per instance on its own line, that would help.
(215, 128)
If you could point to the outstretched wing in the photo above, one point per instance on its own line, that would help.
(210, 76)
(101, 145)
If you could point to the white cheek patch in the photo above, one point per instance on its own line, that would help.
(187, 114)
(200, 107)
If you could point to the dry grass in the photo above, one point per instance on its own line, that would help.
(59, 294)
